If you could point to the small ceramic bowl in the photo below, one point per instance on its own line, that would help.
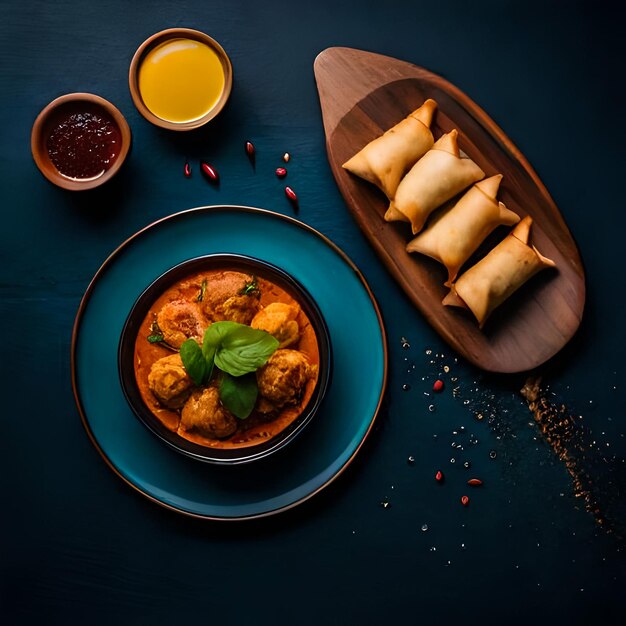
(133, 327)
(163, 37)
(56, 155)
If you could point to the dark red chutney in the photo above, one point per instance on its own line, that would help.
(84, 144)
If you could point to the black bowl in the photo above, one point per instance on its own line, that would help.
(138, 313)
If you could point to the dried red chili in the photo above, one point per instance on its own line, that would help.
(464, 500)
(187, 169)
(438, 386)
(475, 482)
(250, 149)
(209, 171)
(439, 476)
(281, 172)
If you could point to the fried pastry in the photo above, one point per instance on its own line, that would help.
(438, 176)
(499, 274)
(386, 159)
(454, 233)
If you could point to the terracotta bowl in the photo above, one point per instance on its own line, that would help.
(49, 119)
(162, 37)
(229, 455)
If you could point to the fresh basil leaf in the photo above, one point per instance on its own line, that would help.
(216, 332)
(244, 350)
(239, 394)
(194, 362)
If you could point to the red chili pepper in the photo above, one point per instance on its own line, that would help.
(187, 169)
(464, 500)
(439, 476)
(250, 149)
(209, 171)
(281, 172)
(438, 386)
(475, 482)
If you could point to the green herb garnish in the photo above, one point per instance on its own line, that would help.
(200, 297)
(250, 288)
(156, 335)
(238, 351)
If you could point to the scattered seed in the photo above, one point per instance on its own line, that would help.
(250, 149)
(411, 460)
(281, 172)
(464, 500)
(209, 171)
(187, 169)
(286, 157)
(439, 476)
(291, 194)
(424, 527)
(475, 482)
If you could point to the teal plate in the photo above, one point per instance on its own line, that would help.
(313, 460)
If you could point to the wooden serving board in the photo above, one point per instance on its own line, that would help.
(362, 94)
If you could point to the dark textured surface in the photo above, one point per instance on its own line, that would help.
(79, 546)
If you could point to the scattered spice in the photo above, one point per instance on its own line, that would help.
(209, 171)
(438, 386)
(286, 157)
(187, 169)
(281, 172)
(592, 472)
(464, 500)
(439, 476)
(474, 482)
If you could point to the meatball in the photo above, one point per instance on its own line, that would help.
(179, 320)
(279, 320)
(224, 298)
(205, 414)
(282, 379)
(169, 382)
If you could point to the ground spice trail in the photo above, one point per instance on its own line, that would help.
(571, 441)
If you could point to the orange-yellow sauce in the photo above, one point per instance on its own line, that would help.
(253, 430)
(181, 80)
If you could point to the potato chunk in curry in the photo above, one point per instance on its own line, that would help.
(283, 378)
(169, 381)
(205, 414)
(279, 319)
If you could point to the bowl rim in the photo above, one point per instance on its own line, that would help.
(126, 351)
(40, 152)
(160, 37)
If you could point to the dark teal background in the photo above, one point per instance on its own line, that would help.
(80, 547)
